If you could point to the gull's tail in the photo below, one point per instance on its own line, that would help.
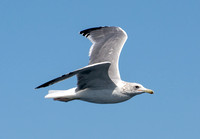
(62, 95)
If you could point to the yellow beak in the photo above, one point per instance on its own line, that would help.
(147, 91)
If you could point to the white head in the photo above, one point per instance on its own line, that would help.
(135, 89)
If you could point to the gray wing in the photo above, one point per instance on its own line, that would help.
(96, 76)
(91, 76)
(107, 45)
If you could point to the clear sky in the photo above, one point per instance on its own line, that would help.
(39, 40)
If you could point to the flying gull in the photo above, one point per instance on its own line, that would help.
(100, 81)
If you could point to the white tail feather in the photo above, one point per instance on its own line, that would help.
(61, 93)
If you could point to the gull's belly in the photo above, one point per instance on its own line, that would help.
(104, 96)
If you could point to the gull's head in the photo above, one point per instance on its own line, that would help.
(136, 89)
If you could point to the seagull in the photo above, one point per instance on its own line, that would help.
(99, 81)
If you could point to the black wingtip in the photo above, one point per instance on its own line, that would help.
(38, 87)
(86, 32)
(47, 83)
(43, 85)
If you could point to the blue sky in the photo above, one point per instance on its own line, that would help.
(39, 41)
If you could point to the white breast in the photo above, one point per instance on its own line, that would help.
(102, 96)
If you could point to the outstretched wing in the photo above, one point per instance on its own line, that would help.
(104, 56)
(107, 45)
(91, 76)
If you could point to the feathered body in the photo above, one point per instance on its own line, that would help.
(100, 81)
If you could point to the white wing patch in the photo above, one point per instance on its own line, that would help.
(91, 48)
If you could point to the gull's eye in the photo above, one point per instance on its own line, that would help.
(137, 87)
